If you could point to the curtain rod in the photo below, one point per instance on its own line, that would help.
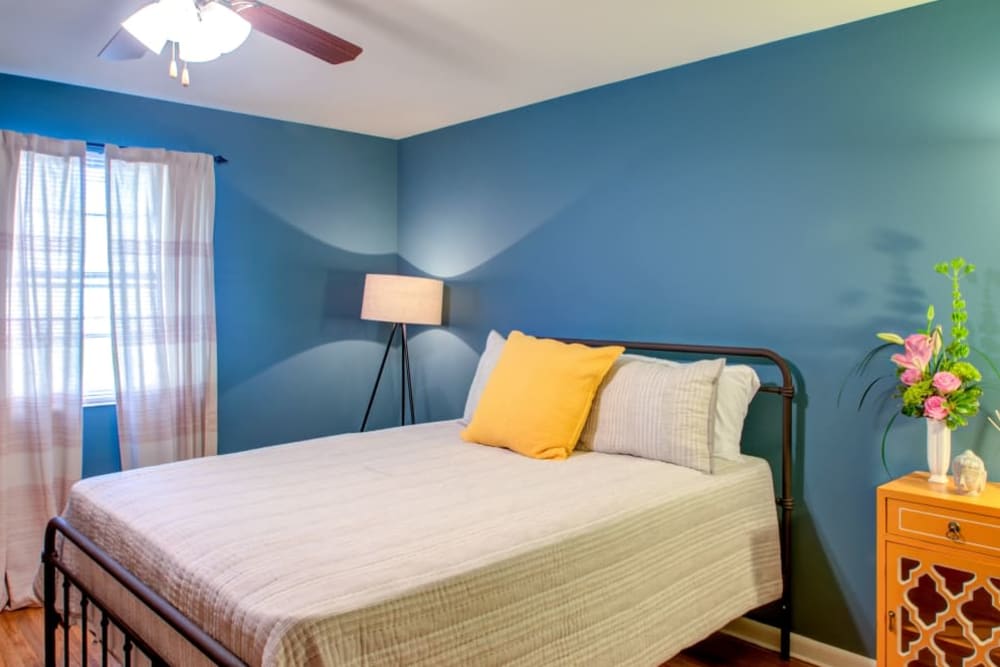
(93, 144)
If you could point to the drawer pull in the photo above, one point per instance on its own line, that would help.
(892, 621)
(954, 531)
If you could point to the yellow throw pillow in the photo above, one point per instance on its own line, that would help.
(539, 395)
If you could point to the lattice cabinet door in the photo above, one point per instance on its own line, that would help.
(939, 576)
(942, 609)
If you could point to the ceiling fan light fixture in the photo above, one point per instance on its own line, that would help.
(228, 29)
(148, 26)
(203, 30)
(202, 33)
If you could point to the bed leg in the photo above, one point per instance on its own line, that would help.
(786, 633)
(51, 618)
(787, 505)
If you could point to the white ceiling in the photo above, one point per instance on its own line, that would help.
(426, 63)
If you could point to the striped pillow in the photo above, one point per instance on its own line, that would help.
(656, 411)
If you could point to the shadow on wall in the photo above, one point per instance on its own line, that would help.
(905, 300)
(442, 356)
(762, 437)
(988, 325)
(624, 259)
(293, 350)
(911, 286)
(793, 196)
(987, 338)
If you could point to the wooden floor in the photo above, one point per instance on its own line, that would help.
(21, 646)
(21, 642)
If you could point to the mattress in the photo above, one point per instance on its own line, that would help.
(411, 546)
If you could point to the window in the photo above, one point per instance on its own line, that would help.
(98, 363)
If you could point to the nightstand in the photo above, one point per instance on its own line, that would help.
(938, 575)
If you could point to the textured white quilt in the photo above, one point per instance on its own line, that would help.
(410, 546)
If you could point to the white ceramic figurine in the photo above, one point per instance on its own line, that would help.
(969, 472)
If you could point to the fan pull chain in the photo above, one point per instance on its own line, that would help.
(185, 77)
(173, 60)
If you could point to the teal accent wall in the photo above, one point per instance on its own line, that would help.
(302, 213)
(793, 196)
(100, 441)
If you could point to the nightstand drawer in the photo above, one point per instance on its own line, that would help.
(944, 526)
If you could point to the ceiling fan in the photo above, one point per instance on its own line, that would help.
(203, 30)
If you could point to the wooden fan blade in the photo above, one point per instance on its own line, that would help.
(123, 46)
(303, 36)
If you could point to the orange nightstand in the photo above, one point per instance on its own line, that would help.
(938, 575)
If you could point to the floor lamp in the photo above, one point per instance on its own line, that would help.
(400, 300)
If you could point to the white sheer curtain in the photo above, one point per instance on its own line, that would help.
(41, 296)
(161, 214)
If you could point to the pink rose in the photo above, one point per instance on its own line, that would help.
(946, 382)
(936, 407)
(911, 376)
(917, 352)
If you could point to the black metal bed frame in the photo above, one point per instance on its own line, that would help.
(59, 531)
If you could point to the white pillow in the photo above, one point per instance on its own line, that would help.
(487, 361)
(656, 411)
(738, 384)
(737, 387)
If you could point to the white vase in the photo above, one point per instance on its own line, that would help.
(938, 450)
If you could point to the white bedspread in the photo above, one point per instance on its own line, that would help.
(410, 546)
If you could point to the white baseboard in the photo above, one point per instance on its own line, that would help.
(803, 648)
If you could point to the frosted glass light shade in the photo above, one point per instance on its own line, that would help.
(179, 18)
(148, 25)
(198, 45)
(228, 29)
(403, 299)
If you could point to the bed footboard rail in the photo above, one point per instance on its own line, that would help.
(59, 608)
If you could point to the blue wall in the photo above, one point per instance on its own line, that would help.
(793, 196)
(301, 214)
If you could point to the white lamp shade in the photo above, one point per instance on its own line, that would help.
(148, 25)
(228, 29)
(402, 299)
(198, 45)
(179, 18)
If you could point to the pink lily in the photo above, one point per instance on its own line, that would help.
(917, 352)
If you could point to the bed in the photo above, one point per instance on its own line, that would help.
(411, 546)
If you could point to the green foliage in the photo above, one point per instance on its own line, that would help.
(965, 371)
(957, 348)
(914, 397)
(957, 398)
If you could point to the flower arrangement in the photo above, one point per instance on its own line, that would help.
(935, 380)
